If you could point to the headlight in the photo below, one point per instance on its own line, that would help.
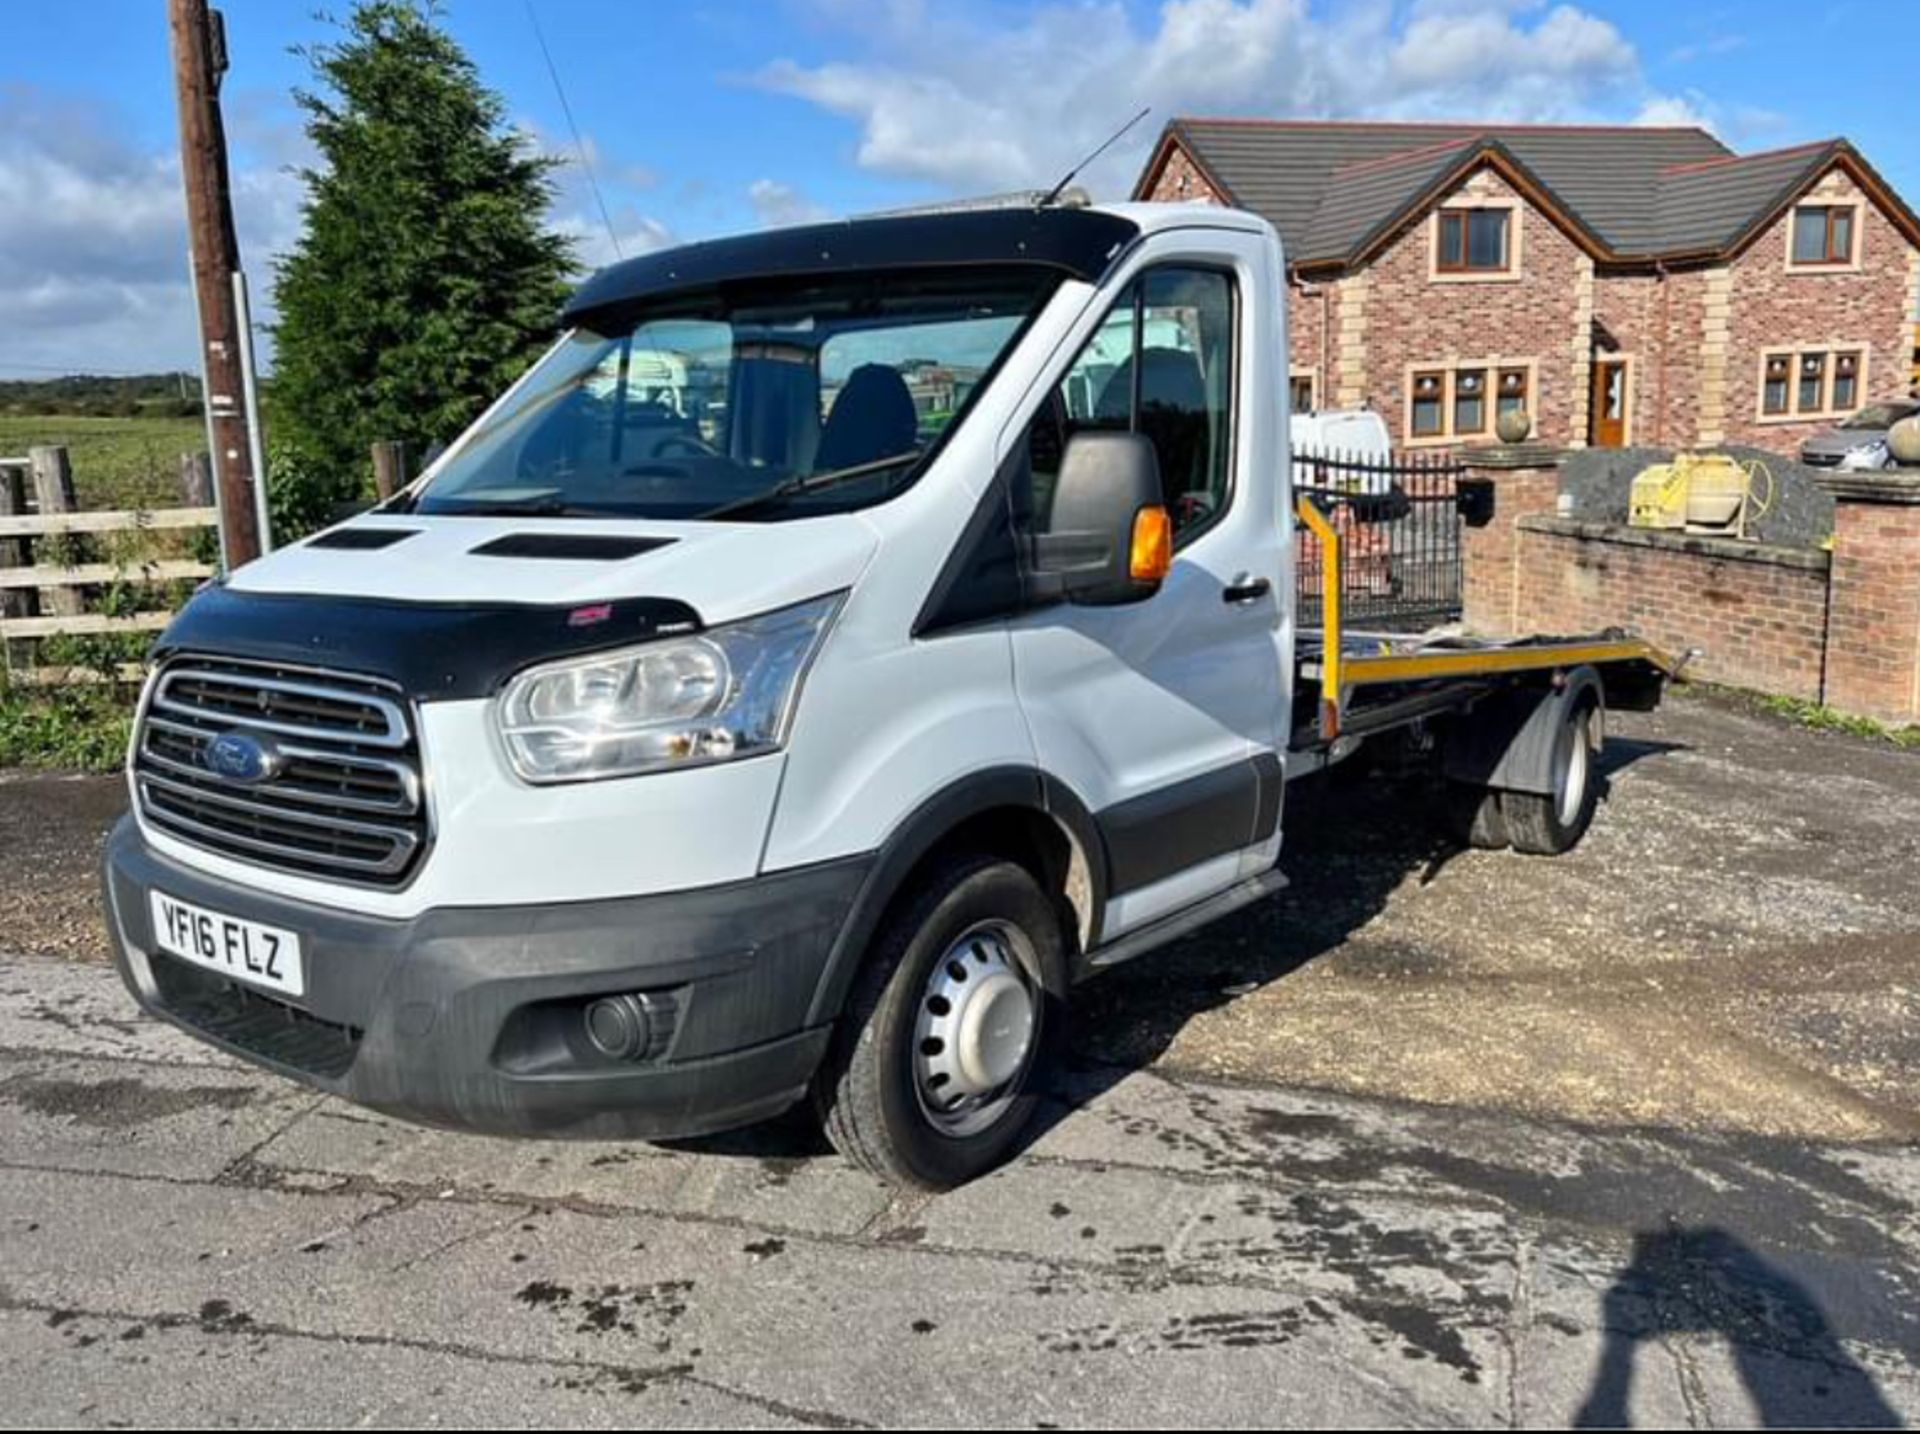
(682, 702)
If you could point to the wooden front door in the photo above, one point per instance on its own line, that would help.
(1609, 425)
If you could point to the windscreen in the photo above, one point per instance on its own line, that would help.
(762, 402)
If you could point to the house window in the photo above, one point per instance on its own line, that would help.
(1823, 234)
(1773, 394)
(1429, 405)
(1812, 383)
(1846, 382)
(1300, 392)
(1460, 402)
(1475, 241)
(1513, 391)
(1470, 401)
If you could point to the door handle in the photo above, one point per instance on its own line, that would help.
(1245, 588)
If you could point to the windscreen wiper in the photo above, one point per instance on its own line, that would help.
(551, 506)
(808, 483)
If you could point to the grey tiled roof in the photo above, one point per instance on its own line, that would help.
(1708, 206)
(1330, 187)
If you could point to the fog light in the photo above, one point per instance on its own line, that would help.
(619, 1027)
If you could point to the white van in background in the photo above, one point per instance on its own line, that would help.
(1347, 435)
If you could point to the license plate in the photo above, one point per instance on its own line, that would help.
(247, 950)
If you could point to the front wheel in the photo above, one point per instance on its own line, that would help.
(931, 1076)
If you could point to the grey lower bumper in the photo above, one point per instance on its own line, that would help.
(471, 1017)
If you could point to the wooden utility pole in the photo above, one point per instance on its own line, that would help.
(199, 59)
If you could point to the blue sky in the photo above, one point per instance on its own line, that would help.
(704, 118)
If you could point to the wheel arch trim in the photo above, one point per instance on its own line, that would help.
(977, 795)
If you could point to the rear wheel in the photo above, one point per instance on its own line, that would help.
(1552, 823)
(931, 1076)
(1474, 816)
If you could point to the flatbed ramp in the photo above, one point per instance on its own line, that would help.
(1369, 682)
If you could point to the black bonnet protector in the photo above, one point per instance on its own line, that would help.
(436, 652)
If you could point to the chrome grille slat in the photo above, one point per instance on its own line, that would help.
(343, 798)
(402, 780)
(222, 837)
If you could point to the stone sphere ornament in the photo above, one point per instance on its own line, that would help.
(1903, 442)
(1513, 425)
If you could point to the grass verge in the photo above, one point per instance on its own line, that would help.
(1813, 715)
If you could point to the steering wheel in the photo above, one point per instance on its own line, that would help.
(683, 445)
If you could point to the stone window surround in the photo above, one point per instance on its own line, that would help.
(1794, 353)
(1516, 235)
(1309, 372)
(1814, 199)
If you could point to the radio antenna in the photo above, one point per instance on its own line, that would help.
(1054, 193)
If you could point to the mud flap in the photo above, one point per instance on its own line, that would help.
(1508, 741)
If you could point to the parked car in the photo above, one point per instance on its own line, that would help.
(1865, 429)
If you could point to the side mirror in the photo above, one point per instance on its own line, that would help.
(1110, 539)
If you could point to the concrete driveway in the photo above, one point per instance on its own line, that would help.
(1437, 1138)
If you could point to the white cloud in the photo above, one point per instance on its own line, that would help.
(956, 96)
(595, 245)
(778, 205)
(1672, 110)
(93, 233)
(93, 244)
(599, 238)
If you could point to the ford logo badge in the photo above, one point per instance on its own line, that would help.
(243, 757)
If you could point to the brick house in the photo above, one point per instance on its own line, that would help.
(1620, 284)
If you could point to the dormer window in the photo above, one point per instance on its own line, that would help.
(1476, 241)
(1823, 236)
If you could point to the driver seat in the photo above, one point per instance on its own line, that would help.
(872, 418)
(1173, 415)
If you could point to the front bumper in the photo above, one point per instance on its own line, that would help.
(471, 1017)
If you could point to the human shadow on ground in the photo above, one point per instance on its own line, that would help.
(1703, 1280)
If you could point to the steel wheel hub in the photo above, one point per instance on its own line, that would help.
(1570, 782)
(976, 1030)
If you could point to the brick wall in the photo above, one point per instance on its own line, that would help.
(1180, 181)
(1772, 307)
(1873, 666)
(1757, 614)
(1656, 322)
(1414, 320)
(1841, 628)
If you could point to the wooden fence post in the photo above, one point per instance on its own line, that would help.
(53, 490)
(196, 480)
(389, 467)
(15, 552)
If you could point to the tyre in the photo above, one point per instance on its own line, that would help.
(931, 1076)
(1475, 818)
(1554, 823)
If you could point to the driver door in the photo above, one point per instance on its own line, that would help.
(1161, 715)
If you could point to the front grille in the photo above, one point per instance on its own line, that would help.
(340, 797)
(255, 1022)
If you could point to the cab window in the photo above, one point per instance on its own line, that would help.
(1160, 365)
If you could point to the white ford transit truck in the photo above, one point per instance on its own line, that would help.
(659, 761)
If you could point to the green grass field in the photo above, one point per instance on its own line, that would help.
(117, 462)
